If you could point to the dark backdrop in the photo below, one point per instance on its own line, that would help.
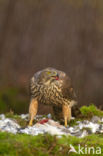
(65, 34)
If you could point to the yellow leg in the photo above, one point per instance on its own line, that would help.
(69, 113)
(65, 120)
(33, 110)
(30, 122)
(66, 113)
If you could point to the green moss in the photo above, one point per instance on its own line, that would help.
(44, 145)
(73, 122)
(89, 111)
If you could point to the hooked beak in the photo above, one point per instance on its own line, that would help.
(56, 77)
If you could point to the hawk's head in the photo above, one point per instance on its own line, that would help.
(48, 76)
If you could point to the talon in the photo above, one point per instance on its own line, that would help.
(30, 123)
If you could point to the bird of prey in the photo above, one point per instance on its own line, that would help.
(51, 87)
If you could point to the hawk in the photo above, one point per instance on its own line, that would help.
(51, 87)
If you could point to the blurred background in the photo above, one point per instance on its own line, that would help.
(64, 34)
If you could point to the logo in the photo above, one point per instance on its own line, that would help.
(85, 150)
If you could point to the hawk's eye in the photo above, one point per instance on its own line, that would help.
(48, 72)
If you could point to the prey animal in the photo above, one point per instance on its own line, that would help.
(51, 87)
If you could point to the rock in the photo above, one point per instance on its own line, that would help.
(46, 125)
(72, 118)
(91, 125)
(2, 116)
(65, 130)
(49, 116)
(83, 134)
(31, 130)
(24, 116)
(101, 119)
(100, 129)
(9, 126)
(95, 119)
